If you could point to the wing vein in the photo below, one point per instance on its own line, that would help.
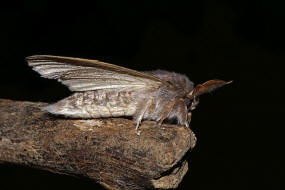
(83, 74)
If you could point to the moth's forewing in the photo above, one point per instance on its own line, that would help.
(84, 74)
(42, 59)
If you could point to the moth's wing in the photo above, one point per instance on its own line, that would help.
(84, 74)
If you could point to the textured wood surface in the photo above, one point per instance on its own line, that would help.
(105, 150)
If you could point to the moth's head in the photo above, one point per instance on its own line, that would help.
(200, 89)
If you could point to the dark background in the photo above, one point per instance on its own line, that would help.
(240, 141)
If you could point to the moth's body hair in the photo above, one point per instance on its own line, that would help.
(106, 90)
(114, 103)
(94, 104)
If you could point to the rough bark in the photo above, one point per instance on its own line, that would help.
(105, 150)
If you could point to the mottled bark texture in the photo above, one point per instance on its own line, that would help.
(105, 150)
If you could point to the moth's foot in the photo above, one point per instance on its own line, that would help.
(186, 125)
(137, 129)
(138, 132)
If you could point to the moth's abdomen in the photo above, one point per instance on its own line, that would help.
(95, 104)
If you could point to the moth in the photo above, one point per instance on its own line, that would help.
(107, 90)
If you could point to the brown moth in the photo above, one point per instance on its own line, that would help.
(106, 90)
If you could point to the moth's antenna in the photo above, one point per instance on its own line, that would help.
(206, 87)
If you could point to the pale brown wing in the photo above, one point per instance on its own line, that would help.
(84, 74)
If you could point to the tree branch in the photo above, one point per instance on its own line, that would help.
(105, 150)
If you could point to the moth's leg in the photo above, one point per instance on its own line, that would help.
(167, 109)
(189, 115)
(139, 115)
(180, 112)
(194, 103)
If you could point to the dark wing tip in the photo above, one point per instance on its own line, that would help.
(31, 59)
(37, 57)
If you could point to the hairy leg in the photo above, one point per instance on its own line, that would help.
(189, 115)
(180, 112)
(166, 111)
(141, 110)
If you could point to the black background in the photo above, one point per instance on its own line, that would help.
(240, 141)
